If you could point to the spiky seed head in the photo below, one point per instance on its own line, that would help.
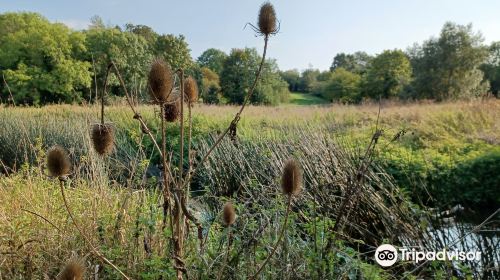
(73, 270)
(229, 214)
(291, 182)
(172, 111)
(267, 19)
(103, 136)
(58, 161)
(160, 81)
(191, 89)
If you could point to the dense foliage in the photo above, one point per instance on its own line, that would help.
(456, 65)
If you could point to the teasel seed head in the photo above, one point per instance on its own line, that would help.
(191, 89)
(229, 214)
(171, 111)
(160, 81)
(291, 182)
(73, 270)
(103, 137)
(267, 19)
(58, 161)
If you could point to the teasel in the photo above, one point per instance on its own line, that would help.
(291, 180)
(229, 214)
(191, 90)
(73, 270)
(58, 162)
(228, 217)
(291, 184)
(103, 136)
(171, 111)
(267, 20)
(160, 80)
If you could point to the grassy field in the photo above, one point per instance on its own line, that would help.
(297, 98)
(449, 153)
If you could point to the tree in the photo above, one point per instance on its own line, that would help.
(389, 73)
(308, 79)
(39, 59)
(238, 75)
(213, 59)
(128, 50)
(343, 86)
(491, 68)
(145, 32)
(357, 62)
(292, 77)
(448, 67)
(175, 50)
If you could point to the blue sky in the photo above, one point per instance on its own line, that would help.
(312, 32)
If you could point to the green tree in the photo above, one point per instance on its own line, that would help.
(292, 77)
(448, 67)
(491, 68)
(389, 73)
(145, 32)
(344, 86)
(175, 50)
(357, 62)
(128, 50)
(38, 59)
(213, 59)
(238, 75)
(308, 79)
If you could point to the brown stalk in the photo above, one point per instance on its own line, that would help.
(353, 189)
(228, 250)
(137, 116)
(280, 237)
(236, 119)
(8, 88)
(87, 240)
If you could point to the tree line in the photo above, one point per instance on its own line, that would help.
(455, 65)
(43, 62)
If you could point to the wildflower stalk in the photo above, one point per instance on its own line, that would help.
(280, 237)
(87, 240)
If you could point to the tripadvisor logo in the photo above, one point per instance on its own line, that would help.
(387, 255)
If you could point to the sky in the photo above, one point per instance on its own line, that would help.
(312, 31)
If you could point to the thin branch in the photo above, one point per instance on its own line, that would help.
(42, 217)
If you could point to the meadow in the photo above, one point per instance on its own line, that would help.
(430, 155)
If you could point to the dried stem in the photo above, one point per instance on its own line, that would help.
(8, 88)
(137, 116)
(228, 250)
(280, 237)
(87, 240)
(236, 119)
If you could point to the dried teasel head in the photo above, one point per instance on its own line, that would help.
(291, 182)
(73, 270)
(171, 111)
(58, 161)
(103, 136)
(160, 81)
(229, 214)
(191, 89)
(267, 19)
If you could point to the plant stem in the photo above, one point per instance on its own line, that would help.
(228, 250)
(87, 240)
(236, 117)
(282, 233)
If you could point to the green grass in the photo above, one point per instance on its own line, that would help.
(450, 152)
(297, 98)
